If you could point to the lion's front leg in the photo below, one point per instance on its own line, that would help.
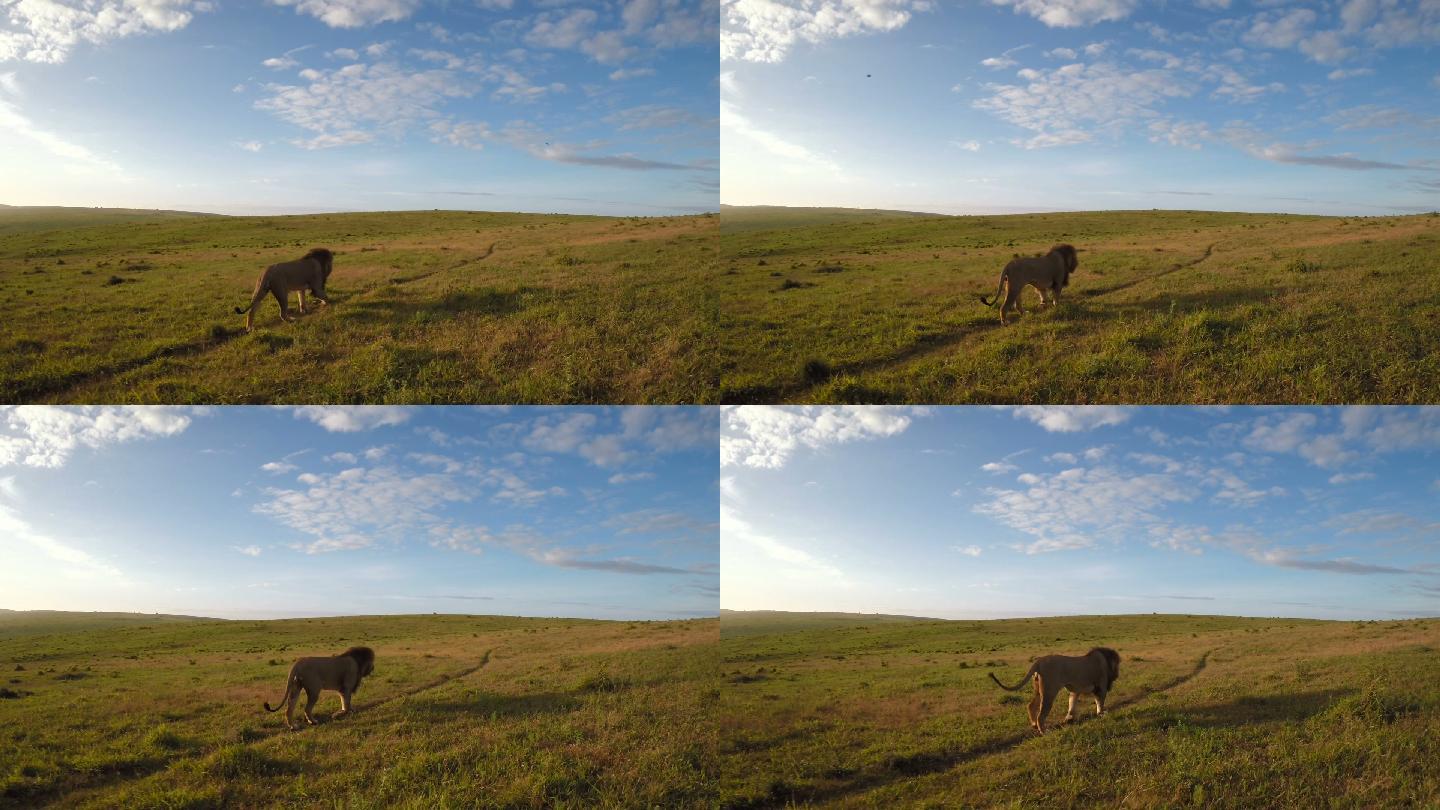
(344, 704)
(301, 292)
(1099, 703)
(1070, 711)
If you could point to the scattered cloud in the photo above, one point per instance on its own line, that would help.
(766, 30)
(46, 31)
(353, 418)
(46, 436)
(1072, 13)
(1072, 418)
(766, 436)
(354, 13)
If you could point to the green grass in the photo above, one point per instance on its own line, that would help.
(462, 711)
(568, 309)
(1173, 307)
(861, 711)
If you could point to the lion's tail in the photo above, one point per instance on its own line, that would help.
(1017, 686)
(290, 686)
(1004, 279)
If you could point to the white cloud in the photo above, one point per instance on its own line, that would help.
(353, 418)
(74, 562)
(968, 146)
(998, 467)
(766, 436)
(355, 103)
(278, 467)
(280, 63)
(79, 157)
(47, 31)
(630, 73)
(626, 478)
(45, 436)
(1072, 418)
(766, 30)
(344, 53)
(249, 551)
(1061, 53)
(1066, 105)
(1071, 508)
(998, 62)
(1072, 13)
(1346, 478)
(798, 563)
(251, 146)
(354, 13)
(968, 551)
(733, 121)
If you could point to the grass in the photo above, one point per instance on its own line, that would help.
(462, 711)
(864, 711)
(118, 306)
(1178, 307)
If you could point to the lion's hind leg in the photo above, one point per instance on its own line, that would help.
(311, 697)
(283, 297)
(1012, 300)
(1036, 703)
(294, 697)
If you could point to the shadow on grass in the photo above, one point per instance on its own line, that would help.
(479, 301)
(894, 769)
(1249, 710)
(28, 390)
(493, 705)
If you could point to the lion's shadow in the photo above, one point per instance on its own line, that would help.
(497, 705)
(475, 301)
(1247, 710)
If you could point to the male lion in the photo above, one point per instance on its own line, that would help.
(309, 273)
(1090, 674)
(1047, 274)
(342, 674)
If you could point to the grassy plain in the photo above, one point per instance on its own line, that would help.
(1177, 307)
(462, 711)
(123, 306)
(865, 711)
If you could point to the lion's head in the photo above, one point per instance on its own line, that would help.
(324, 257)
(1112, 664)
(1069, 256)
(364, 660)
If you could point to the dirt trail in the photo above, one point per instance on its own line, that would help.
(906, 767)
(440, 681)
(927, 346)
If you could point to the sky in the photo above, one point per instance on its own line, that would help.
(260, 512)
(980, 512)
(1031, 105)
(297, 106)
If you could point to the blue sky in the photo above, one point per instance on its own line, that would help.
(1030, 105)
(978, 512)
(323, 105)
(273, 512)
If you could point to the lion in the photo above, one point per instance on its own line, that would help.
(341, 673)
(1090, 674)
(308, 273)
(1048, 274)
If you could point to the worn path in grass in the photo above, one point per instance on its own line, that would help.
(147, 711)
(425, 307)
(863, 711)
(1166, 307)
